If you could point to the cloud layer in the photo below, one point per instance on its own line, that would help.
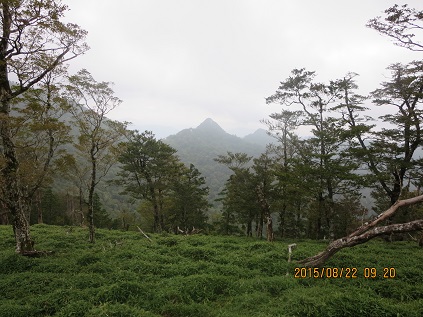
(175, 63)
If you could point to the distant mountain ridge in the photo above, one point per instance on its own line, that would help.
(259, 137)
(201, 145)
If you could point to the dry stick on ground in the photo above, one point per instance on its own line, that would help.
(145, 234)
(368, 231)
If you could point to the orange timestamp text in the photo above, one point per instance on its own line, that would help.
(344, 272)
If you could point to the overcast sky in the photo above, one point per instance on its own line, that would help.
(175, 63)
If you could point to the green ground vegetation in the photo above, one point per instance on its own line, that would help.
(124, 274)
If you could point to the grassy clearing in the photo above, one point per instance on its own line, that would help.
(124, 274)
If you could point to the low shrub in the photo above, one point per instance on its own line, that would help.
(167, 241)
(203, 288)
(186, 310)
(15, 309)
(16, 263)
(77, 308)
(199, 276)
(87, 259)
(198, 253)
(118, 310)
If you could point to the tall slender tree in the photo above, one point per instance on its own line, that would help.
(282, 126)
(33, 42)
(39, 132)
(99, 136)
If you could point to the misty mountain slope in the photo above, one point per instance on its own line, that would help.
(259, 137)
(202, 144)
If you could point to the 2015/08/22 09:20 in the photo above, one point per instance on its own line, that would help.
(343, 272)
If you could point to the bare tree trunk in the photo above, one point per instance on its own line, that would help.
(369, 231)
(264, 213)
(12, 194)
(269, 232)
(70, 210)
(259, 227)
(81, 205)
(91, 195)
(249, 228)
(39, 209)
(282, 215)
(4, 216)
(91, 226)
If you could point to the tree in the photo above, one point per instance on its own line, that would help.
(320, 156)
(40, 134)
(34, 41)
(249, 191)
(174, 194)
(401, 23)
(404, 92)
(188, 200)
(288, 202)
(148, 167)
(98, 136)
(264, 181)
(102, 218)
(401, 139)
(52, 207)
(239, 201)
(388, 153)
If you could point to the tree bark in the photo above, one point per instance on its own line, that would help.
(269, 231)
(368, 231)
(264, 214)
(12, 193)
(156, 206)
(91, 193)
(39, 208)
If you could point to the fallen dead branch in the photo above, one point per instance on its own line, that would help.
(145, 234)
(369, 231)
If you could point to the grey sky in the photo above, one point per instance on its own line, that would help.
(177, 62)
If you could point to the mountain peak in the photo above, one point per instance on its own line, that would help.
(210, 125)
(260, 131)
(260, 136)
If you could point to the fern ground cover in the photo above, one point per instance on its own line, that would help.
(124, 274)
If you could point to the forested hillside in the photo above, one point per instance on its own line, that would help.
(65, 161)
(201, 145)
